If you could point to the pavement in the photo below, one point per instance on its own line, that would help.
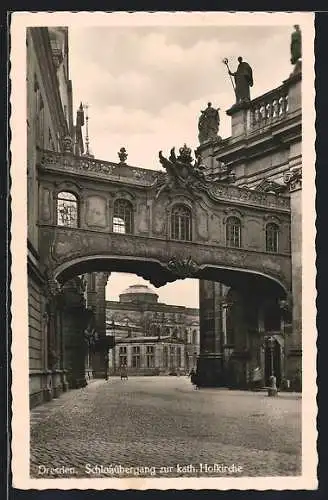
(163, 427)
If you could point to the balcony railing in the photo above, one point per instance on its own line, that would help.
(269, 108)
(67, 162)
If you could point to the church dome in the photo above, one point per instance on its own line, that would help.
(139, 293)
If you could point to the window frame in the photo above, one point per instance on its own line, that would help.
(126, 220)
(76, 201)
(136, 357)
(181, 224)
(274, 230)
(150, 356)
(231, 225)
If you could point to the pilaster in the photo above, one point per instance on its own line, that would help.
(210, 361)
(293, 179)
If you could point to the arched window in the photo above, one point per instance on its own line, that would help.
(67, 209)
(272, 233)
(123, 217)
(194, 337)
(181, 223)
(233, 232)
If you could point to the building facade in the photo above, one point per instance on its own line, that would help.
(264, 155)
(49, 120)
(151, 338)
(56, 320)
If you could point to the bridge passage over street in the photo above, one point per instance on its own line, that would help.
(97, 215)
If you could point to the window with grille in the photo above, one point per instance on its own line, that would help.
(165, 357)
(179, 356)
(67, 209)
(136, 356)
(172, 356)
(150, 358)
(272, 233)
(123, 217)
(123, 355)
(181, 223)
(233, 232)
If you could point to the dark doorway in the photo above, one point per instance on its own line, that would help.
(272, 360)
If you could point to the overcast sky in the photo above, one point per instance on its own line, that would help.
(145, 87)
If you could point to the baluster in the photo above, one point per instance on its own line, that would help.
(275, 107)
(286, 104)
(268, 111)
(262, 112)
(256, 117)
(281, 106)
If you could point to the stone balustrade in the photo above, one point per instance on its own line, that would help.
(91, 167)
(269, 108)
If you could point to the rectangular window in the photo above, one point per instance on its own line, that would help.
(136, 357)
(233, 233)
(123, 355)
(150, 358)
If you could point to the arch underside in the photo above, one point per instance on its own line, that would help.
(159, 274)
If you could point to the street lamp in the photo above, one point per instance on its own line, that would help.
(271, 341)
(112, 325)
(272, 390)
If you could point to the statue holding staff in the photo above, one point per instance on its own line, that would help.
(243, 77)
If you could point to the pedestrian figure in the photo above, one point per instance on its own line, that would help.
(194, 378)
(106, 366)
(124, 372)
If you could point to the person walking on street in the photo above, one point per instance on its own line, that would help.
(124, 372)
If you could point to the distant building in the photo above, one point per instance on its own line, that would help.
(151, 337)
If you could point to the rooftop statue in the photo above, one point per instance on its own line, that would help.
(243, 77)
(123, 155)
(296, 45)
(208, 123)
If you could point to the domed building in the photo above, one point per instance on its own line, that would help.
(139, 294)
(151, 338)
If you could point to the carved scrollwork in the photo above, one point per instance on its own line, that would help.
(68, 144)
(183, 268)
(293, 178)
(219, 192)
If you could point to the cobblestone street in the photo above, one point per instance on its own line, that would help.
(119, 428)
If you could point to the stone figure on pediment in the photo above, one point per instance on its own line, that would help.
(208, 123)
(296, 45)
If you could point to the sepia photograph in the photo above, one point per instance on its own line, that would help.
(162, 328)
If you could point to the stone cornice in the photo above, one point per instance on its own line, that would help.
(259, 142)
(136, 178)
(43, 52)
